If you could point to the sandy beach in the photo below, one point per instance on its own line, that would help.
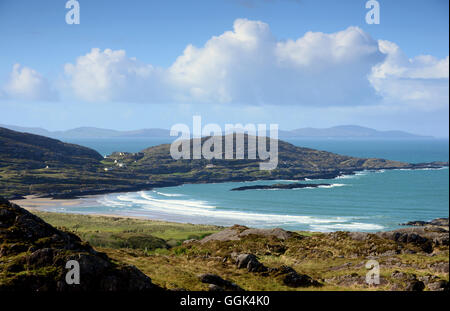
(33, 202)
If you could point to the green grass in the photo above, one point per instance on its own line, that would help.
(154, 247)
(118, 232)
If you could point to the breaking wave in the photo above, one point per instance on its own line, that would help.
(192, 209)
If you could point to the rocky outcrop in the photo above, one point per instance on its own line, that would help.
(250, 262)
(216, 283)
(291, 278)
(415, 286)
(33, 257)
(237, 232)
(439, 222)
(424, 237)
(279, 186)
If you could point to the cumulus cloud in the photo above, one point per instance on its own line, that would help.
(25, 83)
(420, 82)
(113, 76)
(249, 66)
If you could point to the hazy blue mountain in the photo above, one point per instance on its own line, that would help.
(347, 131)
(90, 132)
(343, 131)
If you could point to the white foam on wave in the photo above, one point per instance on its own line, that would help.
(322, 187)
(423, 169)
(107, 201)
(345, 177)
(332, 186)
(359, 174)
(196, 208)
(286, 180)
(168, 194)
(352, 226)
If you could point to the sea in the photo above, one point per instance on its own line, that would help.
(367, 201)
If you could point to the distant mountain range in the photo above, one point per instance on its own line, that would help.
(336, 132)
(347, 131)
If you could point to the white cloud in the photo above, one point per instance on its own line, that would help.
(27, 84)
(111, 76)
(420, 82)
(249, 66)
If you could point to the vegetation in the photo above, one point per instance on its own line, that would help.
(336, 260)
(32, 164)
(33, 257)
(119, 232)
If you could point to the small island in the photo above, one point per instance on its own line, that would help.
(279, 186)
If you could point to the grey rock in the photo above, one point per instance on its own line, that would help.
(415, 286)
(214, 279)
(238, 232)
(291, 278)
(250, 262)
(438, 286)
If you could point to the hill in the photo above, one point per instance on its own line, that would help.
(32, 164)
(29, 151)
(33, 257)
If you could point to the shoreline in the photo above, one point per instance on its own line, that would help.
(74, 206)
(73, 195)
(38, 204)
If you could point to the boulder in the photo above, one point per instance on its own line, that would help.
(441, 285)
(218, 282)
(415, 286)
(250, 262)
(291, 278)
(237, 232)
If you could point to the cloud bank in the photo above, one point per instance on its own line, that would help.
(249, 66)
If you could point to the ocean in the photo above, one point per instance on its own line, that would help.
(368, 201)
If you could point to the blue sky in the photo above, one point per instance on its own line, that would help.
(266, 69)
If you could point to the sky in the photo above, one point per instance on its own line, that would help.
(298, 63)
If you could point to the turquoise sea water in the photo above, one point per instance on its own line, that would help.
(367, 201)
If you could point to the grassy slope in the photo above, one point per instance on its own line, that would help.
(114, 231)
(338, 262)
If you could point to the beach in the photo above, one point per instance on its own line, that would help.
(32, 202)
